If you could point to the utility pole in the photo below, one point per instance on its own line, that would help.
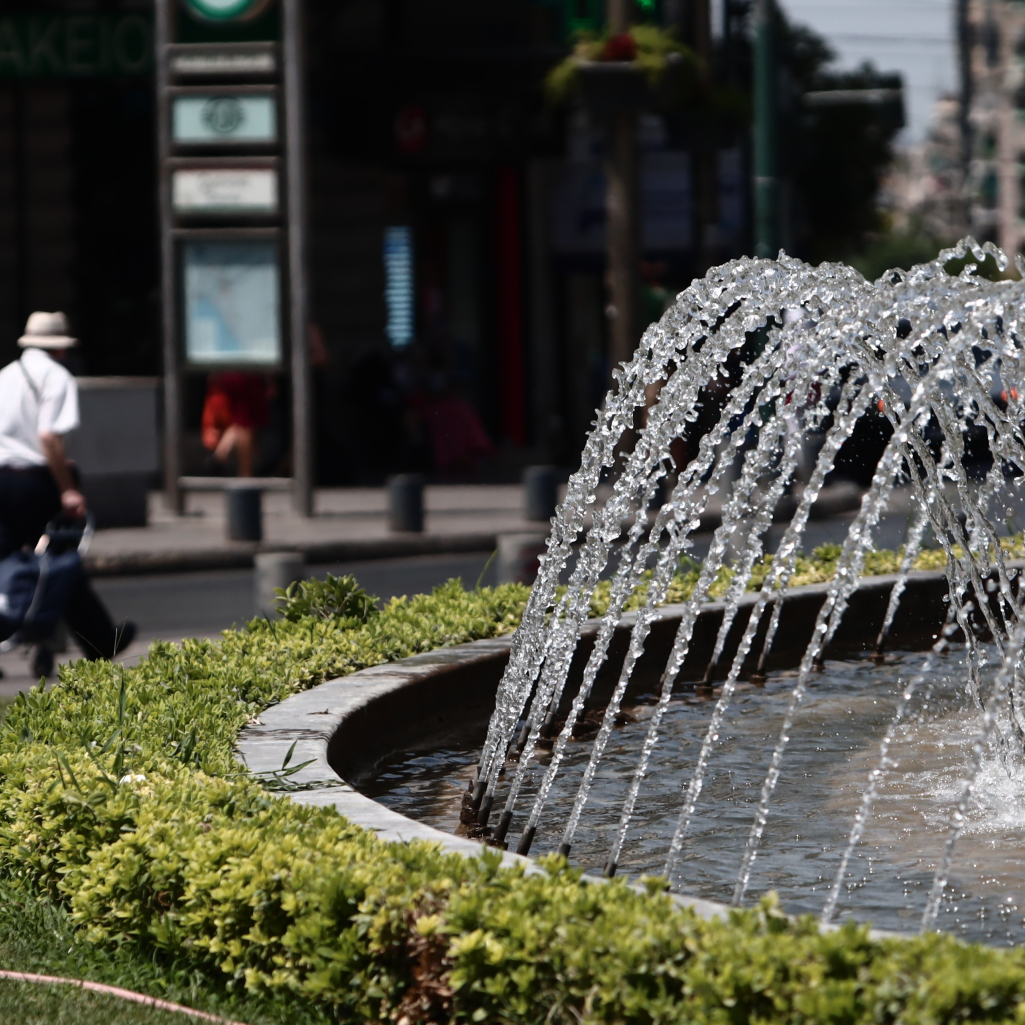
(766, 180)
(706, 165)
(298, 299)
(164, 14)
(963, 28)
(623, 214)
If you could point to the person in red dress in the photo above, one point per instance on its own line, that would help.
(235, 409)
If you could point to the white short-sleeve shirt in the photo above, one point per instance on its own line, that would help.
(37, 396)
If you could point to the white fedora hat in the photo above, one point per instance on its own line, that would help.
(47, 331)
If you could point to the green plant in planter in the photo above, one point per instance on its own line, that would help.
(332, 598)
(652, 50)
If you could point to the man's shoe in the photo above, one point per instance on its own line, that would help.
(41, 662)
(124, 634)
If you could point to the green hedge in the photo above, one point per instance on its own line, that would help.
(121, 798)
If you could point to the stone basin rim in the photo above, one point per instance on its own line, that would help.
(310, 720)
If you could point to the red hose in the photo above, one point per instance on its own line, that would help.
(115, 991)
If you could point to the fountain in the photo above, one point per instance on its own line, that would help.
(780, 352)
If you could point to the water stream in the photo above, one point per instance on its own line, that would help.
(756, 365)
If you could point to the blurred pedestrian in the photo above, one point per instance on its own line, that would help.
(38, 406)
(236, 407)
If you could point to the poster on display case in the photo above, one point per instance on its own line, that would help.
(232, 298)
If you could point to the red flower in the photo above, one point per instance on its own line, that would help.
(620, 48)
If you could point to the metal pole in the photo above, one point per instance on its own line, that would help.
(766, 182)
(622, 208)
(298, 313)
(618, 13)
(963, 29)
(624, 252)
(169, 298)
(706, 157)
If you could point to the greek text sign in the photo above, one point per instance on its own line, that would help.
(225, 190)
(219, 119)
(75, 45)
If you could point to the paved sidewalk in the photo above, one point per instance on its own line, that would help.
(349, 524)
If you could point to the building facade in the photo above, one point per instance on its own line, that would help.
(995, 186)
(456, 237)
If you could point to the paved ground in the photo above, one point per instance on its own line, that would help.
(200, 604)
(176, 605)
(349, 524)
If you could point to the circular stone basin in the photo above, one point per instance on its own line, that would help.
(407, 734)
(833, 747)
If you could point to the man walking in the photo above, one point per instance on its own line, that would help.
(38, 406)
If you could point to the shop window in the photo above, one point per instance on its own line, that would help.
(398, 284)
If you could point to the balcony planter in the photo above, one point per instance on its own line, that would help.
(646, 67)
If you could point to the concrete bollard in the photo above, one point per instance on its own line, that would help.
(244, 509)
(518, 554)
(406, 502)
(271, 570)
(540, 492)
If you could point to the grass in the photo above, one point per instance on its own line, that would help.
(31, 1004)
(36, 936)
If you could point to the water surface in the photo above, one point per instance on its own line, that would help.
(833, 747)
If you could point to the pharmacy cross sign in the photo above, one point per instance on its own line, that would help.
(226, 10)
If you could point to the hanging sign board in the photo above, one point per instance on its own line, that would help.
(232, 303)
(223, 60)
(218, 119)
(225, 190)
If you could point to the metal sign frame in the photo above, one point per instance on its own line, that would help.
(287, 156)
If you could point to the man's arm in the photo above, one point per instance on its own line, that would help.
(72, 500)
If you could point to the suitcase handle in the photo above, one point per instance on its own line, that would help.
(62, 531)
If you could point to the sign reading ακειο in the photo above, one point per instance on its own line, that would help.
(75, 45)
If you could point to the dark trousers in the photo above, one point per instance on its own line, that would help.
(29, 499)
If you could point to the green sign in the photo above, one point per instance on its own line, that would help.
(75, 45)
(226, 10)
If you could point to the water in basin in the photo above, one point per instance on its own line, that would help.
(833, 748)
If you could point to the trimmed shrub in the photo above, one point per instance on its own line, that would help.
(120, 796)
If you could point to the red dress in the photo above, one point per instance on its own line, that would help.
(233, 398)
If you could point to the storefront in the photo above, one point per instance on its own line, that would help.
(77, 179)
(455, 221)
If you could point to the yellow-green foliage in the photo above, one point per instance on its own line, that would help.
(656, 48)
(817, 568)
(119, 796)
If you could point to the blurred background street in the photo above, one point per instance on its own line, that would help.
(350, 277)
